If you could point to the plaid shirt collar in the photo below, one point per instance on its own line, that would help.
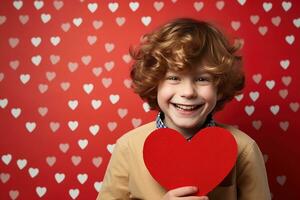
(160, 124)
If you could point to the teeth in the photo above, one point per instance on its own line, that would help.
(185, 107)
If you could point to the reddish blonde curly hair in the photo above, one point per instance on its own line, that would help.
(181, 45)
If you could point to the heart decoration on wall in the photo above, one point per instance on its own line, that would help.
(65, 87)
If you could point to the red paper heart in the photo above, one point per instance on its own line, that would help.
(203, 162)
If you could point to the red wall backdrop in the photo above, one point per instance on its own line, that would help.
(65, 92)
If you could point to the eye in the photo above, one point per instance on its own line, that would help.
(173, 78)
(201, 79)
(204, 79)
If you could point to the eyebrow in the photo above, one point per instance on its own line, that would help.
(202, 71)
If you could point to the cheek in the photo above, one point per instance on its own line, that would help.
(209, 94)
(164, 93)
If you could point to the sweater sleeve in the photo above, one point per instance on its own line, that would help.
(252, 182)
(115, 182)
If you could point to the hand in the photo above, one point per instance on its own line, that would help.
(183, 193)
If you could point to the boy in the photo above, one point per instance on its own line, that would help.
(187, 70)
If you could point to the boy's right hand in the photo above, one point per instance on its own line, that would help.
(183, 193)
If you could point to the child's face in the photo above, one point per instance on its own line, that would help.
(186, 99)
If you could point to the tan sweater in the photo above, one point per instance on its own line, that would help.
(128, 178)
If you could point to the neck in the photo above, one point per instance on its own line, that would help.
(188, 133)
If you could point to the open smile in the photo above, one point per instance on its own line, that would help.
(183, 107)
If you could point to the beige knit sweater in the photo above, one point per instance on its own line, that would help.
(128, 178)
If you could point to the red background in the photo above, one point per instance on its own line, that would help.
(48, 57)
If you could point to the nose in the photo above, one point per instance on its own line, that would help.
(188, 90)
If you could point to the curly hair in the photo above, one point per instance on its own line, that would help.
(181, 45)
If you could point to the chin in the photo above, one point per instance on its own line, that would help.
(187, 126)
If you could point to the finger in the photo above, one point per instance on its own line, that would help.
(204, 198)
(194, 198)
(183, 191)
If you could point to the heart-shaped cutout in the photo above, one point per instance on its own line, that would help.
(203, 161)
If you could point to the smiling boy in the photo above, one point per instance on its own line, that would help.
(187, 70)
